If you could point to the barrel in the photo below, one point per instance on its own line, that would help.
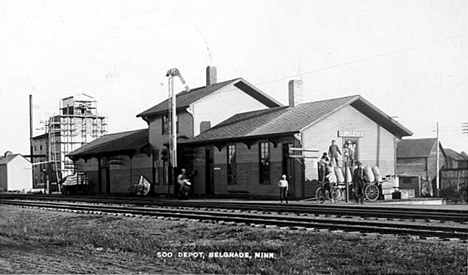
(339, 174)
(377, 174)
(369, 174)
(349, 175)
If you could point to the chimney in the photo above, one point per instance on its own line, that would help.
(205, 126)
(210, 75)
(296, 93)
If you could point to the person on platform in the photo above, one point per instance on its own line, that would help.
(359, 181)
(184, 184)
(351, 153)
(331, 180)
(333, 152)
(324, 162)
(284, 186)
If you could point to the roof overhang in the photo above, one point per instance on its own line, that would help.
(380, 118)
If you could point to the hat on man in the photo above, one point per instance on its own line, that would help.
(358, 163)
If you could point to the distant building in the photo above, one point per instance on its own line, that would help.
(15, 173)
(455, 160)
(417, 164)
(77, 124)
(454, 176)
(40, 148)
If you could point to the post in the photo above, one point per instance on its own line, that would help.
(346, 180)
(437, 162)
(172, 133)
(31, 151)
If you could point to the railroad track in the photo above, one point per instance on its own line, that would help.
(264, 219)
(318, 209)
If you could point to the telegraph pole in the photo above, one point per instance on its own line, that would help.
(437, 160)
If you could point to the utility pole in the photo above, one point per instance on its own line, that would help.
(31, 133)
(437, 161)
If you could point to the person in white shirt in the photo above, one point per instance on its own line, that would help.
(284, 186)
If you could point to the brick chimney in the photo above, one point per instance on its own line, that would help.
(296, 92)
(210, 75)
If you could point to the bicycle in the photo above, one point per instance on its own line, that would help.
(323, 194)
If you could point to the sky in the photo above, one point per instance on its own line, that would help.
(408, 58)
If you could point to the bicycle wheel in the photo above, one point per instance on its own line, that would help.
(320, 195)
(371, 192)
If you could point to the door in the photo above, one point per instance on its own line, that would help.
(288, 167)
(209, 172)
(350, 151)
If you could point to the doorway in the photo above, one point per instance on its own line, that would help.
(350, 151)
(288, 166)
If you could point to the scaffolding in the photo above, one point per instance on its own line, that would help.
(77, 124)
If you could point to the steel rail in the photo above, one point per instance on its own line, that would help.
(348, 210)
(278, 220)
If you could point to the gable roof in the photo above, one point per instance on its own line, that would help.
(289, 120)
(185, 99)
(415, 148)
(453, 154)
(8, 158)
(112, 144)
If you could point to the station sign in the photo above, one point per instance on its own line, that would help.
(347, 133)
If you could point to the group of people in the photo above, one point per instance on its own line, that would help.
(328, 176)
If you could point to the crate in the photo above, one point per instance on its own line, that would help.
(388, 191)
(407, 193)
(396, 195)
(388, 197)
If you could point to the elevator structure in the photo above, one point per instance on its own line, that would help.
(77, 123)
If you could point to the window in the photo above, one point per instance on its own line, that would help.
(165, 125)
(264, 158)
(40, 147)
(231, 164)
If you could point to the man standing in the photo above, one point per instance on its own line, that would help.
(358, 180)
(283, 185)
(333, 152)
(323, 165)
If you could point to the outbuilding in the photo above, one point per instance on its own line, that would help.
(15, 173)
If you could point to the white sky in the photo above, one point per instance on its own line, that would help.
(409, 58)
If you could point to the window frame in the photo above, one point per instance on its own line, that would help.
(231, 167)
(264, 156)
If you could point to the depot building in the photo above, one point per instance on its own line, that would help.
(249, 152)
(234, 139)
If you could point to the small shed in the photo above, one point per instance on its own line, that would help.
(15, 173)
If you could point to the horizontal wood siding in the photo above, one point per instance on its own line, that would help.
(377, 146)
(223, 104)
(157, 139)
(122, 175)
(319, 136)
